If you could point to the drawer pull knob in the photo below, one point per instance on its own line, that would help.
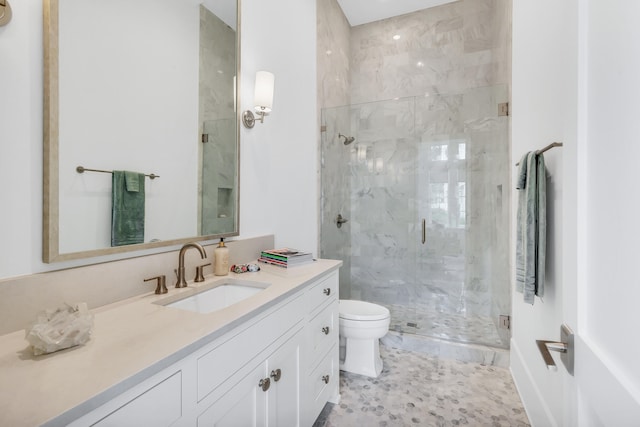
(325, 379)
(276, 374)
(264, 383)
(325, 330)
(327, 291)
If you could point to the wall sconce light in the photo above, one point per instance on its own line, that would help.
(263, 99)
(5, 12)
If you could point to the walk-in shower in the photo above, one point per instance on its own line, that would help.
(424, 190)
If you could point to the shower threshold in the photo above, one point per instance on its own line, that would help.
(471, 338)
(447, 349)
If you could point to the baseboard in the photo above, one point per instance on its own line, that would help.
(533, 401)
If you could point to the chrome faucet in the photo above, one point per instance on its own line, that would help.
(182, 283)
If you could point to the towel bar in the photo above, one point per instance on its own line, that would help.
(82, 169)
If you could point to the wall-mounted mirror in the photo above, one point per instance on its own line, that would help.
(148, 87)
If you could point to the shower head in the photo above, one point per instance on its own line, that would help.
(347, 139)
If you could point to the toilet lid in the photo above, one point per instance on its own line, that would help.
(361, 310)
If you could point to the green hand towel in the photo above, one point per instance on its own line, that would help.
(132, 181)
(127, 213)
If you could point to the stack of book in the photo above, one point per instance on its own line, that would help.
(285, 257)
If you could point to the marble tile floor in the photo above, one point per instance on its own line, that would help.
(417, 389)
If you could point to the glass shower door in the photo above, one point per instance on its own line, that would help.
(384, 241)
(462, 267)
(369, 181)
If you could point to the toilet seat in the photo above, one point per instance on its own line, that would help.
(362, 311)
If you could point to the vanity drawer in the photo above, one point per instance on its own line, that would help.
(219, 364)
(323, 332)
(323, 291)
(324, 382)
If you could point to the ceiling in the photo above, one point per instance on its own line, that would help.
(364, 11)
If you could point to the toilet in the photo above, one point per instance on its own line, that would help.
(362, 324)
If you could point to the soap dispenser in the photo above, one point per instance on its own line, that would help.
(221, 259)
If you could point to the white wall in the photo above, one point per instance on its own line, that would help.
(613, 126)
(609, 288)
(21, 140)
(575, 81)
(278, 158)
(544, 105)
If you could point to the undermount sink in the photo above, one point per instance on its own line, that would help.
(215, 296)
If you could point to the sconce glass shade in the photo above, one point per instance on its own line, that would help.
(263, 98)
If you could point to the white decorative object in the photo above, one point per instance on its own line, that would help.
(60, 328)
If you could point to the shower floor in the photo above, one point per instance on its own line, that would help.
(456, 327)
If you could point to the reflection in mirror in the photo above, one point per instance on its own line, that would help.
(146, 86)
(218, 121)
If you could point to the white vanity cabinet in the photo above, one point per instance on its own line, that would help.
(278, 368)
(268, 396)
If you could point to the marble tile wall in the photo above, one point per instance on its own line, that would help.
(444, 49)
(333, 50)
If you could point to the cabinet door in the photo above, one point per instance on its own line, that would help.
(144, 405)
(284, 394)
(244, 405)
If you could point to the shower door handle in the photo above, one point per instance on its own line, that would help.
(424, 231)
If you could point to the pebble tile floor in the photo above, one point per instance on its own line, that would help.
(416, 389)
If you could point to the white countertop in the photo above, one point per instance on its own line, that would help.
(131, 341)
